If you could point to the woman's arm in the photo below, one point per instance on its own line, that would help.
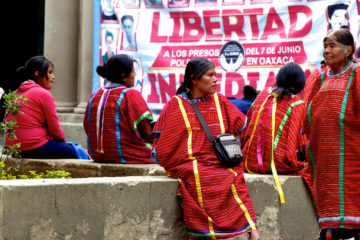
(51, 117)
(145, 130)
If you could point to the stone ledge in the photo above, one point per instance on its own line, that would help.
(132, 207)
(83, 168)
(137, 207)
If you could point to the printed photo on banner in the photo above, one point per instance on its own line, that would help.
(109, 41)
(178, 3)
(108, 14)
(205, 3)
(260, 1)
(337, 16)
(131, 4)
(153, 4)
(232, 2)
(128, 24)
(139, 74)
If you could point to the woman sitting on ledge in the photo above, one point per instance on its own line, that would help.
(39, 131)
(117, 120)
(215, 200)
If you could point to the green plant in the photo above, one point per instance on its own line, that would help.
(12, 104)
(6, 175)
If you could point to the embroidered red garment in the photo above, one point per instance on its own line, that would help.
(215, 200)
(333, 128)
(310, 82)
(110, 122)
(288, 137)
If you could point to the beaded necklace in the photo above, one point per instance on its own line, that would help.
(331, 74)
(183, 95)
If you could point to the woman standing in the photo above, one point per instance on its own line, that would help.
(333, 129)
(215, 200)
(39, 130)
(272, 140)
(117, 120)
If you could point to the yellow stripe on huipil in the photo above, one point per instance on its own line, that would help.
(233, 188)
(253, 132)
(218, 109)
(195, 165)
(272, 161)
(241, 204)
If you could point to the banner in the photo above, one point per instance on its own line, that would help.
(247, 40)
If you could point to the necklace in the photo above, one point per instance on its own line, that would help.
(331, 74)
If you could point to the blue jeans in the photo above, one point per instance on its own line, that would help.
(51, 149)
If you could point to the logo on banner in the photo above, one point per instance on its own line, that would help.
(232, 56)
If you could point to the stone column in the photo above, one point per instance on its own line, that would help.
(85, 59)
(61, 42)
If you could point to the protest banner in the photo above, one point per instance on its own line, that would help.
(247, 40)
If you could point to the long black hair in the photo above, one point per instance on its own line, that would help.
(290, 80)
(117, 67)
(195, 68)
(38, 64)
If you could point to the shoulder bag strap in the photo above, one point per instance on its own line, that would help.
(200, 117)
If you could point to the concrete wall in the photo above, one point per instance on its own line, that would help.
(132, 207)
(68, 42)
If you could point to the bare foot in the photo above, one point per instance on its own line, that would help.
(254, 235)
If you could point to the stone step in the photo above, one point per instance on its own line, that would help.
(133, 207)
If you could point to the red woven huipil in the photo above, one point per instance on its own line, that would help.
(288, 115)
(110, 122)
(310, 82)
(333, 129)
(215, 200)
(285, 140)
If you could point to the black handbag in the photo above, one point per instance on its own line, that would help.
(226, 146)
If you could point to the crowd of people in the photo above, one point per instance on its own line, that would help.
(306, 127)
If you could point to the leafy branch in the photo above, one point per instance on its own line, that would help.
(12, 104)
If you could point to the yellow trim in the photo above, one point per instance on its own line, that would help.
(211, 228)
(188, 127)
(272, 161)
(218, 109)
(253, 132)
(195, 167)
(198, 186)
(243, 207)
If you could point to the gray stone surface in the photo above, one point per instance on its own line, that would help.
(82, 168)
(90, 208)
(135, 207)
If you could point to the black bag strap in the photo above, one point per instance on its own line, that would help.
(200, 117)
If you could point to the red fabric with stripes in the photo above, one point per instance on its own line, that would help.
(324, 141)
(172, 153)
(310, 82)
(132, 146)
(290, 142)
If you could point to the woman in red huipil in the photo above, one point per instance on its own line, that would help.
(215, 200)
(332, 126)
(273, 140)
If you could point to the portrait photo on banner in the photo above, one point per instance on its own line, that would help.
(109, 43)
(178, 3)
(108, 14)
(337, 16)
(131, 4)
(128, 24)
(139, 74)
(154, 4)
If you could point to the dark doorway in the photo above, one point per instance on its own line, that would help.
(22, 37)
